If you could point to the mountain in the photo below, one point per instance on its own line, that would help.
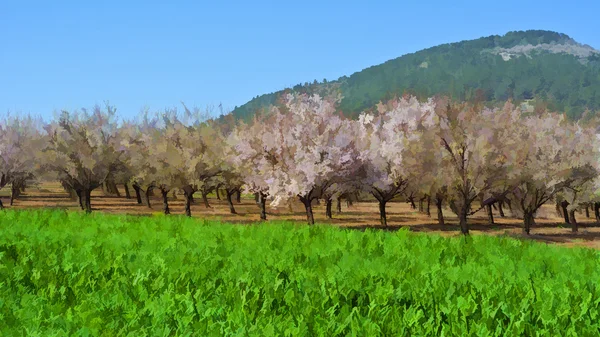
(535, 66)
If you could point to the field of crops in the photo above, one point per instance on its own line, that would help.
(68, 274)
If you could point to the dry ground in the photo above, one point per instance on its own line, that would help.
(549, 227)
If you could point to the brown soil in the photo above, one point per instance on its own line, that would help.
(549, 228)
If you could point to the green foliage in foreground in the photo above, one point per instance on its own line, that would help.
(67, 274)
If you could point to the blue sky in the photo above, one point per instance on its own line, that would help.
(73, 54)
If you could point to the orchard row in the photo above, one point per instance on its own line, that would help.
(465, 156)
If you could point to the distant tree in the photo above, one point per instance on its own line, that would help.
(387, 143)
(313, 148)
(337, 191)
(21, 140)
(138, 137)
(472, 141)
(549, 157)
(203, 153)
(164, 164)
(247, 150)
(427, 171)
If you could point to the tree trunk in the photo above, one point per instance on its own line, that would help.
(18, 189)
(81, 197)
(328, 204)
(574, 224)
(127, 194)
(263, 206)
(72, 194)
(14, 190)
(490, 214)
(88, 201)
(238, 196)
(587, 211)
(428, 209)
(597, 211)
(440, 213)
(205, 200)
(309, 212)
(217, 191)
(138, 195)
(421, 209)
(148, 191)
(565, 212)
(412, 203)
(1, 204)
(188, 203)
(114, 189)
(382, 214)
(500, 209)
(257, 198)
(462, 216)
(230, 202)
(339, 205)
(165, 198)
(528, 221)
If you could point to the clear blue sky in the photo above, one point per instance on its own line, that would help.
(72, 54)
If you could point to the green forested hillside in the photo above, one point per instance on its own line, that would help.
(546, 66)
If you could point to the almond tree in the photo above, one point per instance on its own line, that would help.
(139, 137)
(246, 151)
(388, 146)
(591, 121)
(232, 182)
(581, 152)
(251, 150)
(312, 147)
(172, 154)
(336, 192)
(427, 172)
(595, 198)
(428, 177)
(122, 175)
(473, 143)
(163, 165)
(202, 152)
(207, 186)
(20, 142)
(551, 155)
(502, 126)
(124, 170)
(579, 193)
(83, 150)
(227, 160)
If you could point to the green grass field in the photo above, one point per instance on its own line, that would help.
(68, 274)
